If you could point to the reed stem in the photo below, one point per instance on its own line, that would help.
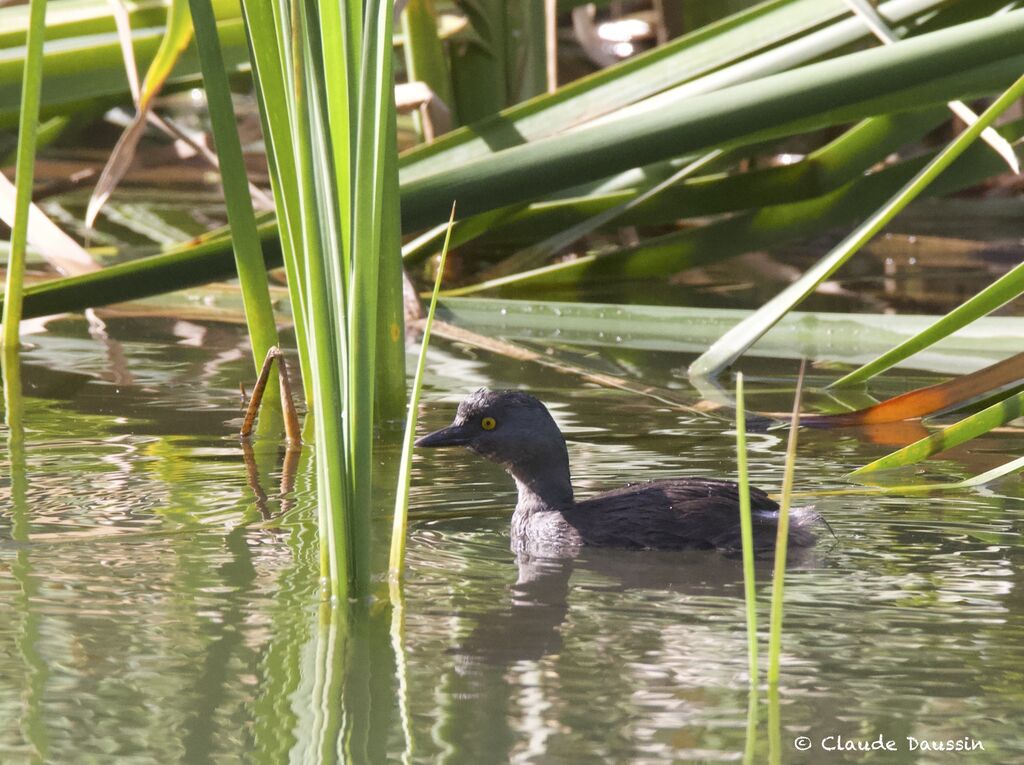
(398, 529)
(782, 538)
(28, 127)
(746, 531)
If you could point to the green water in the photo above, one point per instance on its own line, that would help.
(158, 595)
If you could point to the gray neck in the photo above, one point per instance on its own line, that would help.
(543, 482)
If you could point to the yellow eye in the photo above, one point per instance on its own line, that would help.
(488, 423)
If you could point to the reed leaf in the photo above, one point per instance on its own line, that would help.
(746, 532)
(60, 250)
(272, 96)
(396, 563)
(782, 540)
(961, 432)
(71, 84)
(177, 36)
(930, 400)
(389, 387)
(687, 330)
(480, 66)
(369, 190)
(525, 49)
(731, 345)
(754, 37)
(999, 293)
(826, 169)
(252, 273)
(28, 125)
(982, 479)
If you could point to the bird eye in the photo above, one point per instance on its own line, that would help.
(488, 423)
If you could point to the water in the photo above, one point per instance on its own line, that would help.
(158, 595)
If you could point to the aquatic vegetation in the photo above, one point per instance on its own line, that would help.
(396, 558)
(27, 128)
(749, 587)
(785, 121)
(779, 568)
(245, 241)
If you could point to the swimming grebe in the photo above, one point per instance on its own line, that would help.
(516, 430)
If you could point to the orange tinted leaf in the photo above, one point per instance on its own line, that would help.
(926, 401)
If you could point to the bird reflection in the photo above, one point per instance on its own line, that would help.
(527, 627)
(510, 640)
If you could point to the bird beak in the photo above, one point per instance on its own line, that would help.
(453, 435)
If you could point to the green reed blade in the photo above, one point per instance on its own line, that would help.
(782, 538)
(525, 49)
(252, 274)
(536, 254)
(329, 193)
(340, 90)
(389, 387)
(999, 293)
(994, 474)
(753, 43)
(370, 186)
(398, 528)
(746, 531)
(334, 496)
(735, 342)
(28, 126)
(975, 57)
(965, 430)
(1013, 466)
(269, 80)
(209, 260)
(833, 165)
(480, 75)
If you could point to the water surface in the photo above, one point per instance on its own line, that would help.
(158, 596)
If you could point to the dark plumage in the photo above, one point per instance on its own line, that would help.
(516, 430)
